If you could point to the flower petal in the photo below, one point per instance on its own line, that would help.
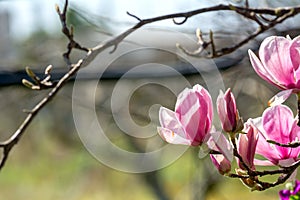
(280, 97)
(275, 56)
(262, 71)
(168, 119)
(263, 162)
(220, 143)
(284, 194)
(193, 110)
(297, 187)
(294, 52)
(171, 137)
(294, 137)
(205, 95)
(247, 146)
(295, 57)
(228, 114)
(221, 163)
(202, 93)
(278, 123)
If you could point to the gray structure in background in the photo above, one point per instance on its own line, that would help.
(6, 49)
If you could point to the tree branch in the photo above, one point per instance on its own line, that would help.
(279, 16)
(69, 33)
(250, 177)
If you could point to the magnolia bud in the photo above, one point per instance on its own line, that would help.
(221, 163)
(228, 114)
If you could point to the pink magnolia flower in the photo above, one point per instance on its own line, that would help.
(247, 145)
(227, 112)
(218, 142)
(277, 124)
(278, 62)
(191, 122)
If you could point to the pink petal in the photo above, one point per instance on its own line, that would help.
(247, 146)
(192, 108)
(263, 147)
(221, 163)
(294, 137)
(257, 122)
(186, 108)
(171, 137)
(295, 57)
(280, 97)
(227, 111)
(294, 53)
(286, 162)
(168, 119)
(278, 125)
(263, 162)
(190, 116)
(278, 122)
(261, 70)
(275, 56)
(231, 107)
(220, 143)
(203, 94)
(185, 100)
(267, 150)
(221, 108)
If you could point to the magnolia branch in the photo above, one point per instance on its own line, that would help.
(251, 177)
(292, 144)
(280, 15)
(69, 33)
(255, 15)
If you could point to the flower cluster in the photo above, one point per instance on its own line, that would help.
(291, 193)
(273, 137)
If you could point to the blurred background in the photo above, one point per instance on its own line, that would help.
(52, 162)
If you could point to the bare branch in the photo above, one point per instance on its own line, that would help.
(134, 16)
(69, 33)
(251, 177)
(292, 145)
(280, 15)
(246, 4)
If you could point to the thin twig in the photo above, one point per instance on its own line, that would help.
(291, 145)
(69, 33)
(134, 16)
(280, 16)
(246, 4)
(251, 176)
